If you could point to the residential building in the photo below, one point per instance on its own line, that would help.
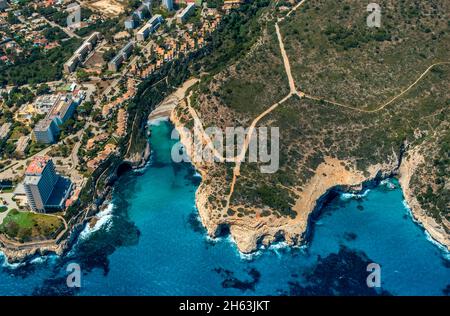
(44, 188)
(4, 130)
(155, 21)
(81, 53)
(143, 33)
(130, 23)
(150, 27)
(139, 14)
(62, 108)
(72, 64)
(44, 103)
(168, 4)
(45, 131)
(230, 4)
(186, 13)
(101, 157)
(148, 4)
(121, 56)
(3, 5)
(122, 119)
(22, 144)
(143, 11)
(96, 140)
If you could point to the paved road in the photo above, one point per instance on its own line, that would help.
(3, 215)
(11, 204)
(16, 166)
(64, 29)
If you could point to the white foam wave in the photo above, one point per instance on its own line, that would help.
(157, 121)
(36, 260)
(276, 247)
(6, 264)
(249, 256)
(215, 239)
(279, 245)
(145, 166)
(445, 251)
(104, 218)
(243, 256)
(388, 183)
(348, 196)
(39, 260)
(229, 239)
(43, 259)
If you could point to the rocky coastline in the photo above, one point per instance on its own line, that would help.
(429, 224)
(329, 179)
(137, 161)
(17, 254)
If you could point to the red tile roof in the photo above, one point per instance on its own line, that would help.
(37, 165)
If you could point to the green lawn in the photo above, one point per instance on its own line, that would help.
(27, 226)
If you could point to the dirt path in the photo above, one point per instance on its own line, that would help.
(287, 66)
(293, 91)
(382, 106)
(293, 9)
(241, 157)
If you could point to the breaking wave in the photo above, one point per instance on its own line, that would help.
(157, 121)
(348, 196)
(445, 251)
(104, 220)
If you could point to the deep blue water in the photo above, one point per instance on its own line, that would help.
(150, 242)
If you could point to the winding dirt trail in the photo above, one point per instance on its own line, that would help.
(382, 106)
(241, 156)
(293, 91)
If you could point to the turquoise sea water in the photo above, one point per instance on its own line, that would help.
(149, 242)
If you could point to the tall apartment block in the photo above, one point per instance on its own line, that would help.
(44, 188)
(186, 13)
(168, 4)
(121, 56)
(149, 27)
(47, 129)
(81, 53)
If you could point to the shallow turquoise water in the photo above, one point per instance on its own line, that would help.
(149, 242)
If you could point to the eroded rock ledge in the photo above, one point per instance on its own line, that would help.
(406, 170)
